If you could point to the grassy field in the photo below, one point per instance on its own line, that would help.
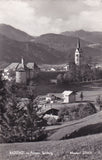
(86, 126)
(90, 89)
(83, 148)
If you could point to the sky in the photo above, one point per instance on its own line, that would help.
(38, 17)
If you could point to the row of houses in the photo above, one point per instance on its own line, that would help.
(54, 68)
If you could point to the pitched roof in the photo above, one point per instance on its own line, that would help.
(67, 92)
(21, 67)
(48, 107)
(32, 65)
(11, 66)
(54, 94)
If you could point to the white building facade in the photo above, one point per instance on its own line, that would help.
(78, 53)
(69, 97)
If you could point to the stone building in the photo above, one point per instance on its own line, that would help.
(34, 69)
(21, 72)
(24, 73)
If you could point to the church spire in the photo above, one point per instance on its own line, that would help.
(78, 43)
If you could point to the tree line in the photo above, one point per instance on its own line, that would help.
(80, 74)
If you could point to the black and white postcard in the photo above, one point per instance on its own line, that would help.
(50, 79)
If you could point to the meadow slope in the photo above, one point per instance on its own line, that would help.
(89, 125)
(88, 147)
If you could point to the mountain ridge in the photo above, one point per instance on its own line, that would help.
(14, 33)
(48, 48)
(92, 36)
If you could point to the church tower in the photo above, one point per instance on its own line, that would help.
(78, 52)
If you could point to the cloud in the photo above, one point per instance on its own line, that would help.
(16, 13)
(93, 2)
(93, 18)
(56, 8)
(43, 16)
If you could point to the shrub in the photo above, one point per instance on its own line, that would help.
(76, 112)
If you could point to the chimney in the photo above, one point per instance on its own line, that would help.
(22, 61)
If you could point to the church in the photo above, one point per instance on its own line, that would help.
(78, 54)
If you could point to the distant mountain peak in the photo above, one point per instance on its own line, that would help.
(91, 36)
(14, 34)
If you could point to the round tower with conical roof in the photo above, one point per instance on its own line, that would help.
(21, 72)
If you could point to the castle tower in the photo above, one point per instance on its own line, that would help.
(78, 52)
(22, 72)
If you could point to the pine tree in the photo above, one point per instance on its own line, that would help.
(19, 121)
